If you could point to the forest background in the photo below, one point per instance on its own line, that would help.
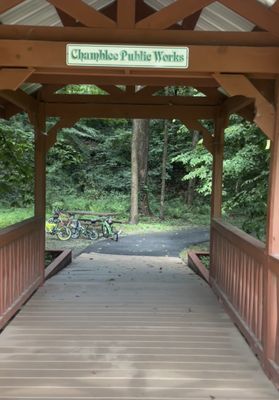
(92, 167)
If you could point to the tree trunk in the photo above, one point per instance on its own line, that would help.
(192, 182)
(164, 171)
(134, 212)
(143, 146)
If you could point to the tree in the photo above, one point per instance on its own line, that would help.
(143, 151)
(134, 211)
(164, 171)
(192, 181)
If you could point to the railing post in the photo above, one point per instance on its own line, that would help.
(270, 307)
(217, 176)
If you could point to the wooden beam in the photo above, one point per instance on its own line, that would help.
(39, 120)
(137, 36)
(194, 124)
(129, 97)
(217, 169)
(265, 87)
(130, 90)
(190, 22)
(40, 183)
(51, 77)
(171, 14)
(241, 59)
(240, 85)
(275, 6)
(12, 78)
(65, 122)
(66, 19)
(20, 99)
(6, 5)
(112, 89)
(148, 90)
(248, 113)
(11, 110)
(83, 13)
(236, 103)
(48, 90)
(273, 207)
(271, 287)
(126, 13)
(212, 93)
(129, 111)
(255, 12)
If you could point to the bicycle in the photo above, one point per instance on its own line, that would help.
(77, 229)
(108, 230)
(56, 226)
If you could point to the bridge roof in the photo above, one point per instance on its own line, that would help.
(214, 17)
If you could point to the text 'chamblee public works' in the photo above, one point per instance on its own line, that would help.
(127, 56)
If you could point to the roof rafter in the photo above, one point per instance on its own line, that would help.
(255, 12)
(12, 78)
(66, 19)
(6, 5)
(126, 13)
(190, 22)
(171, 14)
(83, 13)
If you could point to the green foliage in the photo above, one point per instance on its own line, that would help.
(246, 169)
(89, 167)
(16, 162)
(10, 216)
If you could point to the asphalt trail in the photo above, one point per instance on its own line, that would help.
(151, 244)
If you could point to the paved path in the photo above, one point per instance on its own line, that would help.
(152, 244)
(111, 327)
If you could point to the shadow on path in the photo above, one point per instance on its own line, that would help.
(151, 244)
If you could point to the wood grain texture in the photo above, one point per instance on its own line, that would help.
(111, 327)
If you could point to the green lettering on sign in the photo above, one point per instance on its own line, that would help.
(127, 56)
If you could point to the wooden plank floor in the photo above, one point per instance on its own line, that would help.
(115, 327)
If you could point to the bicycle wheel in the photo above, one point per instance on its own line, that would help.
(75, 233)
(64, 233)
(92, 234)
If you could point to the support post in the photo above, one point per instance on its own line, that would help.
(40, 181)
(217, 177)
(217, 169)
(271, 276)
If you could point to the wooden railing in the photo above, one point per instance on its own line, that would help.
(247, 280)
(273, 308)
(21, 264)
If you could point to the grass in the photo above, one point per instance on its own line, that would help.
(10, 216)
(200, 247)
(178, 214)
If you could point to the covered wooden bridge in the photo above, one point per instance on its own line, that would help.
(229, 51)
